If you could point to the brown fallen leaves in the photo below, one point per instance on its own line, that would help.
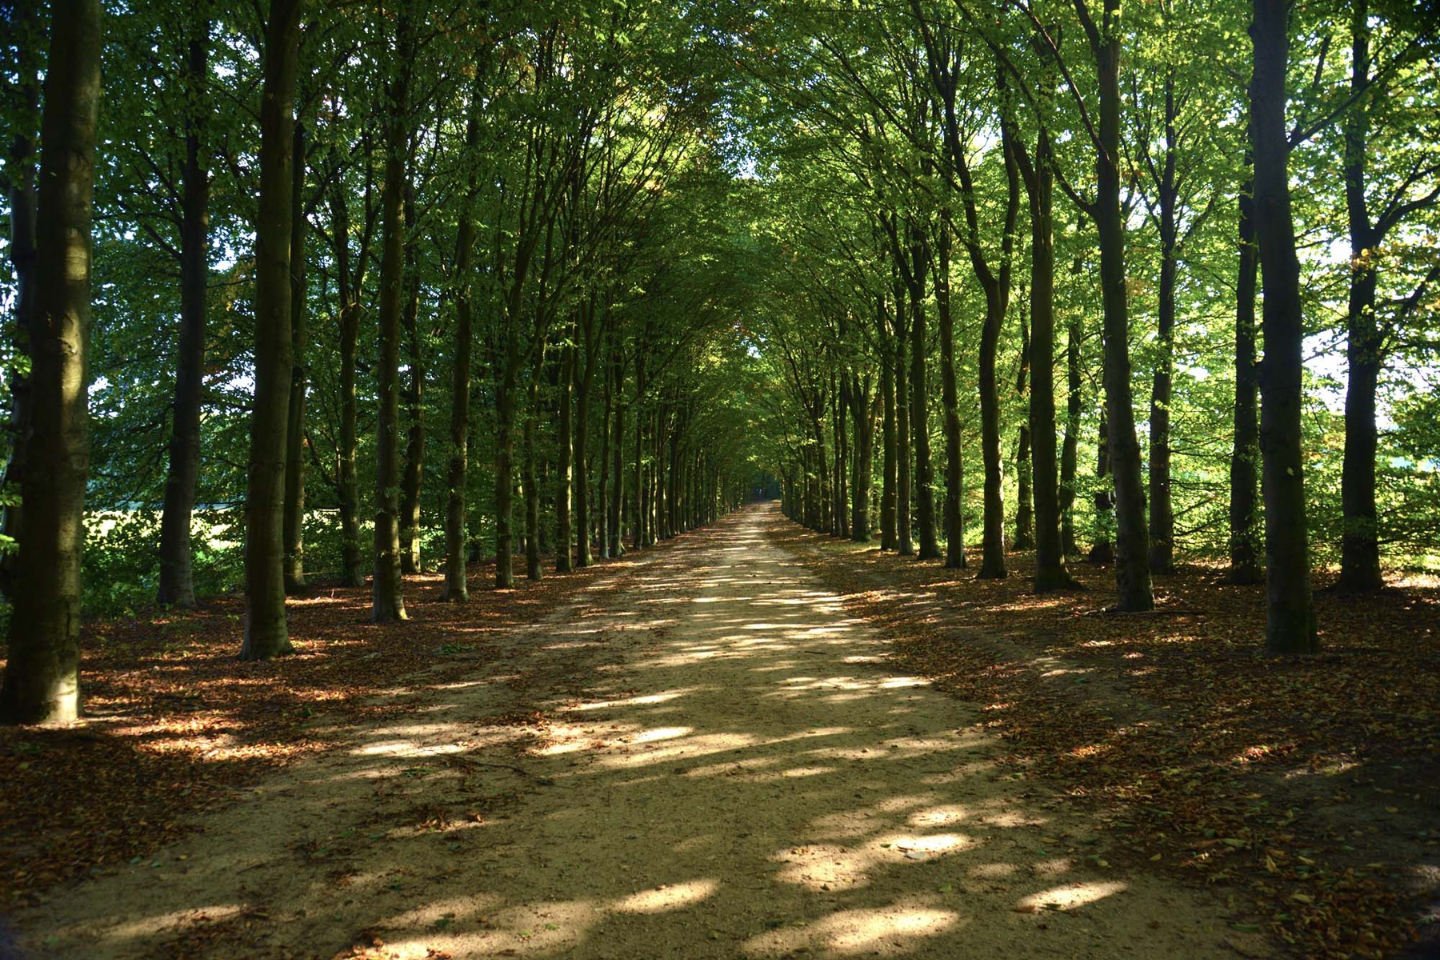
(174, 723)
(1308, 788)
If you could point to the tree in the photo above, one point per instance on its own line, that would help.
(1290, 617)
(388, 600)
(266, 632)
(42, 675)
(177, 584)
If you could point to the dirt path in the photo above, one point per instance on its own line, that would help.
(733, 771)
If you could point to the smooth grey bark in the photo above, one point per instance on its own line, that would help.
(457, 471)
(42, 675)
(1162, 511)
(387, 594)
(266, 631)
(1132, 560)
(929, 547)
(1049, 484)
(905, 546)
(889, 468)
(1289, 613)
(530, 473)
(294, 523)
(862, 417)
(592, 331)
(949, 395)
(412, 477)
(177, 583)
(1070, 448)
(1245, 456)
(565, 463)
(1024, 496)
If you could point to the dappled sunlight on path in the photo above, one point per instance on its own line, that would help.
(703, 756)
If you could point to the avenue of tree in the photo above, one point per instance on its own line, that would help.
(302, 289)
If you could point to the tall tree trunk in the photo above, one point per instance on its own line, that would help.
(954, 539)
(862, 417)
(889, 539)
(1290, 617)
(1132, 553)
(347, 483)
(505, 388)
(617, 466)
(1103, 549)
(992, 557)
(602, 498)
(294, 523)
(457, 474)
(920, 406)
(1024, 496)
(1162, 512)
(42, 676)
(412, 476)
(1053, 493)
(904, 545)
(839, 519)
(387, 598)
(177, 584)
(1070, 449)
(1244, 522)
(530, 477)
(564, 467)
(638, 526)
(584, 387)
(1360, 537)
(266, 632)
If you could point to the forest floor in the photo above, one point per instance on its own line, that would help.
(696, 752)
(730, 746)
(1309, 790)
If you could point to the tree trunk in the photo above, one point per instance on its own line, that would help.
(505, 481)
(920, 405)
(1360, 537)
(294, 523)
(266, 632)
(584, 387)
(1290, 617)
(457, 476)
(1024, 513)
(42, 676)
(862, 416)
(1244, 524)
(602, 497)
(347, 483)
(1132, 553)
(1070, 449)
(889, 539)
(617, 468)
(177, 584)
(954, 539)
(1103, 549)
(1053, 495)
(412, 480)
(992, 556)
(638, 531)
(904, 545)
(1162, 513)
(388, 602)
(530, 478)
(564, 467)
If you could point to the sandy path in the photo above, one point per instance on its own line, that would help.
(736, 773)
